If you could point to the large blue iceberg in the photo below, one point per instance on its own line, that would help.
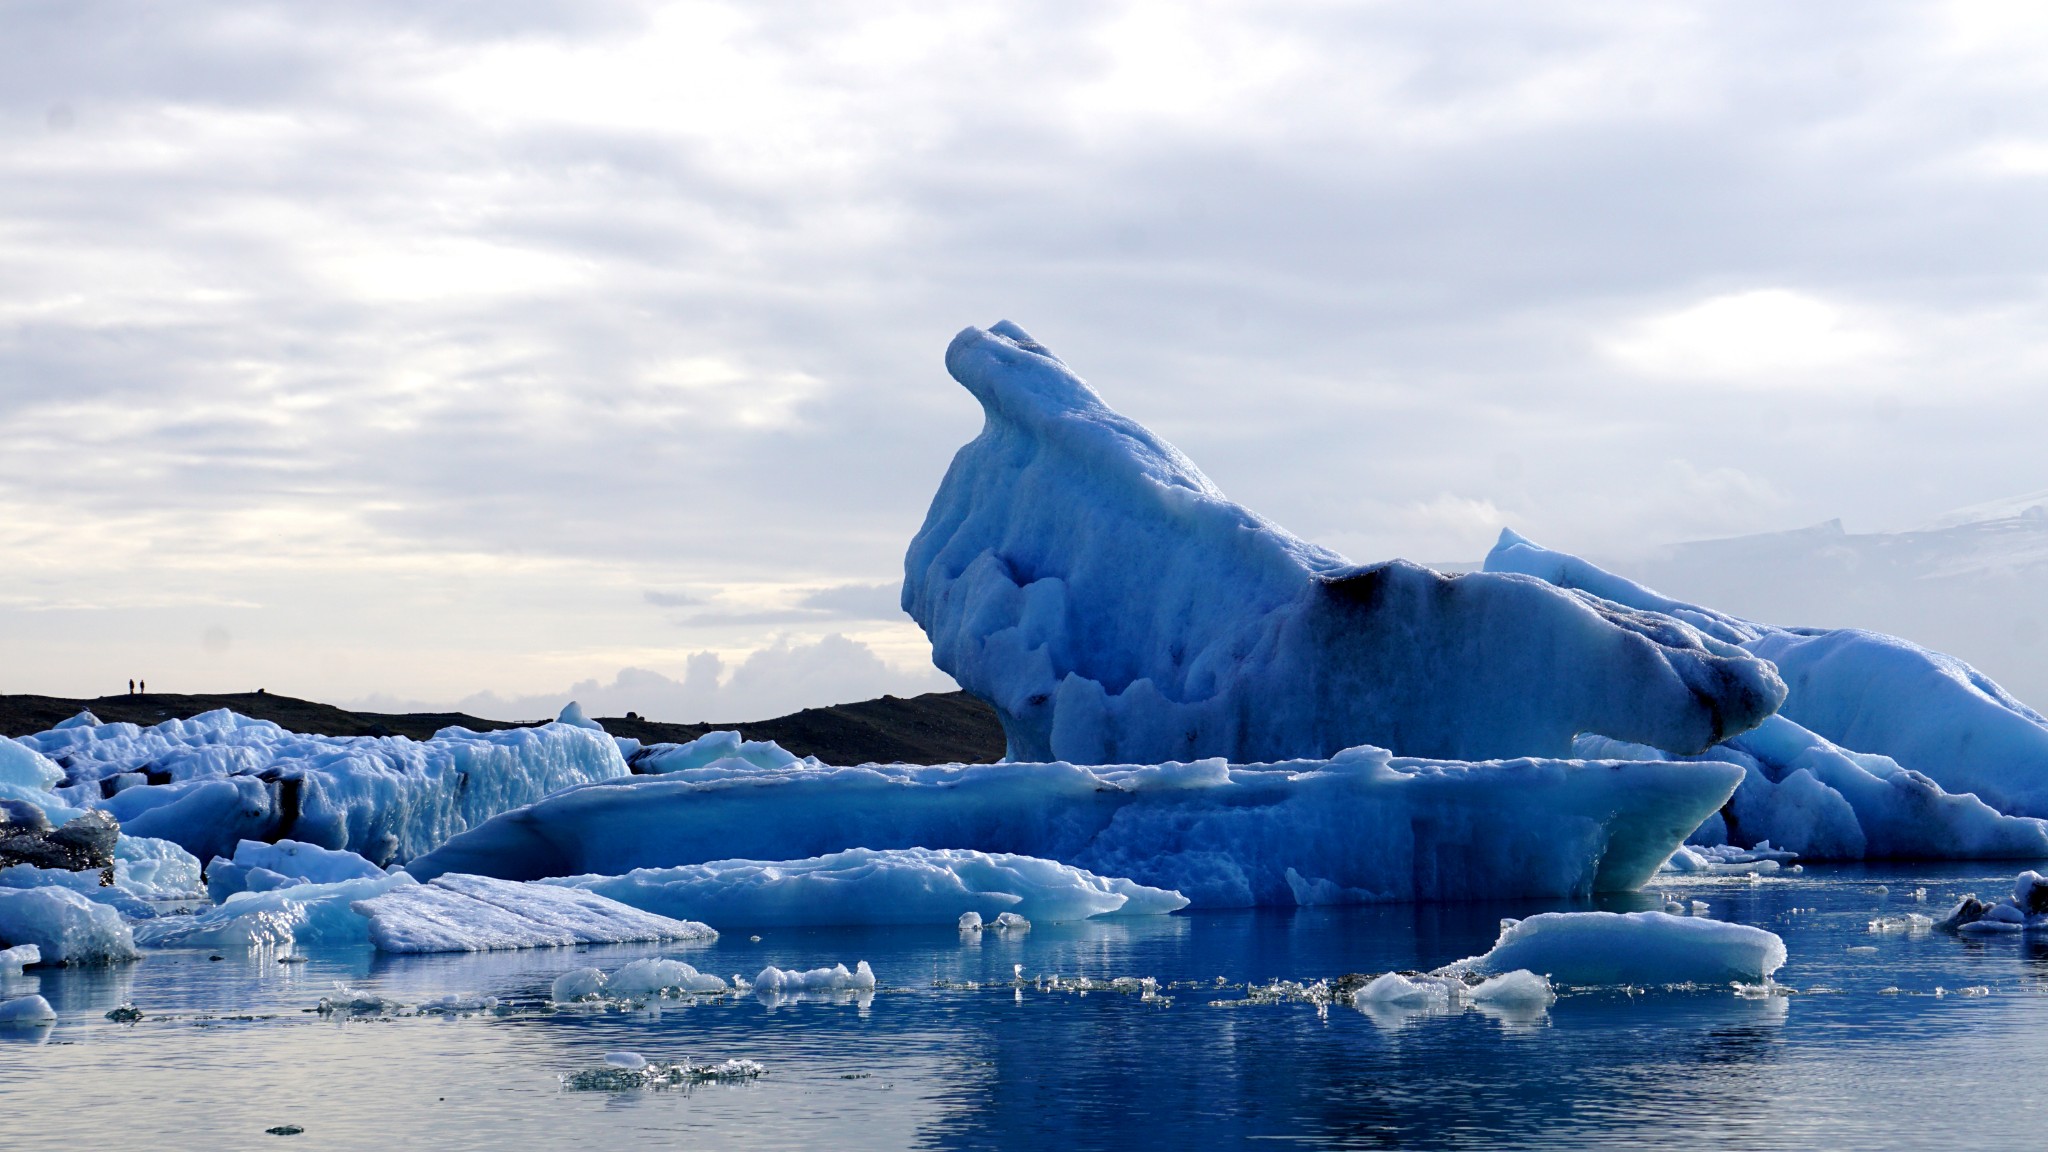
(1082, 576)
(1360, 827)
(1882, 748)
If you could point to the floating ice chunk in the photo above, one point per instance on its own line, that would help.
(2025, 910)
(710, 750)
(1367, 826)
(1416, 991)
(349, 1001)
(643, 978)
(1082, 576)
(26, 1012)
(970, 921)
(631, 1061)
(833, 979)
(1520, 988)
(257, 866)
(477, 914)
(66, 927)
(866, 886)
(1011, 922)
(572, 715)
(578, 984)
(1631, 948)
(618, 1077)
(13, 960)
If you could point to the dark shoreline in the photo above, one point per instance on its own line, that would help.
(935, 728)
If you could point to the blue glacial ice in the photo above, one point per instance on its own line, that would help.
(215, 779)
(1082, 576)
(869, 886)
(1359, 827)
(1882, 748)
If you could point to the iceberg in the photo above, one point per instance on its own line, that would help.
(774, 981)
(259, 867)
(13, 960)
(213, 780)
(1637, 948)
(1083, 577)
(302, 915)
(867, 886)
(480, 914)
(1360, 827)
(710, 748)
(64, 926)
(1926, 712)
(2025, 910)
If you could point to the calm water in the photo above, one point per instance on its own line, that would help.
(229, 1049)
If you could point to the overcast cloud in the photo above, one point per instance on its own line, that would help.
(424, 350)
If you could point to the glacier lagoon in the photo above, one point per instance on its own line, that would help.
(951, 1051)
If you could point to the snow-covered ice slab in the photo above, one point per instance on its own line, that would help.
(220, 777)
(1360, 827)
(1082, 576)
(1635, 948)
(866, 886)
(480, 914)
(1917, 709)
(311, 914)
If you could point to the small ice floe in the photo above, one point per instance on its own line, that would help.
(26, 1012)
(1881, 890)
(1911, 924)
(773, 981)
(2025, 910)
(1699, 907)
(1634, 948)
(1005, 922)
(1728, 860)
(970, 922)
(650, 979)
(578, 985)
(124, 1014)
(625, 1071)
(456, 1004)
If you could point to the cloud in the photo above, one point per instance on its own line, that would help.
(413, 344)
(768, 682)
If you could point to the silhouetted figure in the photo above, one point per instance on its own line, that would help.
(145, 687)
(131, 685)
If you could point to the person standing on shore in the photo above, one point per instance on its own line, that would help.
(131, 685)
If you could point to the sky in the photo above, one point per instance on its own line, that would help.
(488, 353)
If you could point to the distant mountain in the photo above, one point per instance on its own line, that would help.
(1974, 584)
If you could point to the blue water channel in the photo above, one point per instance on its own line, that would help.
(1880, 1039)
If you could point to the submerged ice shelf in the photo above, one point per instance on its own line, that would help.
(1359, 827)
(1082, 576)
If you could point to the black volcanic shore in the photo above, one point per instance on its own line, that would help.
(936, 728)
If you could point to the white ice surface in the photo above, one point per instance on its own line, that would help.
(478, 914)
(1907, 707)
(1633, 948)
(1081, 575)
(1360, 827)
(65, 926)
(228, 777)
(13, 960)
(709, 749)
(284, 918)
(867, 886)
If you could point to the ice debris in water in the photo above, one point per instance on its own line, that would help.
(1727, 860)
(970, 921)
(580, 984)
(1004, 922)
(124, 1014)
(619, 1073)
(1633, 948)
(1083, 577)
(1911, 924)
(26, 1012)
(349, 1001)
(2025, 910)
